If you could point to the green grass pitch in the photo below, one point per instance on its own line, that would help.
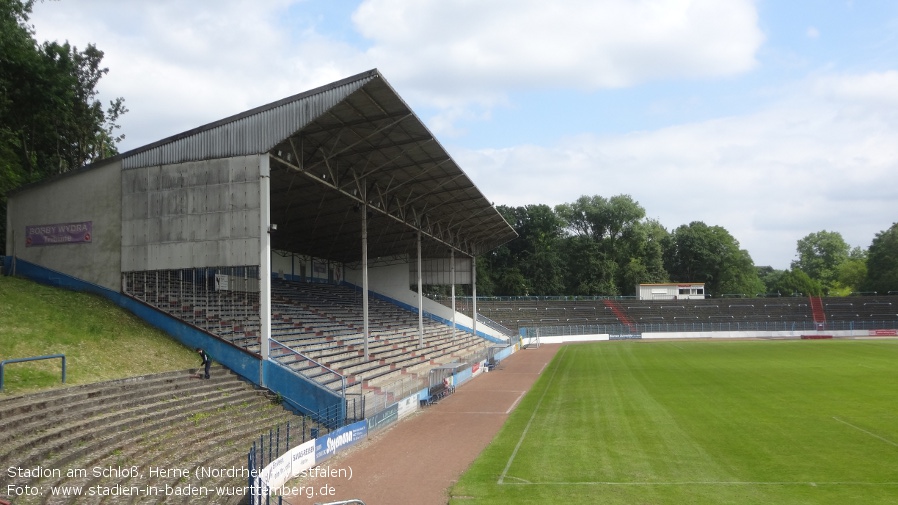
(741, 422)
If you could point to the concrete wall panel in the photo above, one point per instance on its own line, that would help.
(93, 195)
(198, 214)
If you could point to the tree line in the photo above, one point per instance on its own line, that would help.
(51, 120)
(606, 246)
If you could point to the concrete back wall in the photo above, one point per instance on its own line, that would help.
(90, 195)
(393, 281)
(189, 215)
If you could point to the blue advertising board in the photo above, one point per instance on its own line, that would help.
(335, 441)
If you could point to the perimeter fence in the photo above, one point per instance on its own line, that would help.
(698, 326)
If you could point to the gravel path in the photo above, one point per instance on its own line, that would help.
(419, 458)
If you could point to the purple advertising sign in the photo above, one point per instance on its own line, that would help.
(53, 234)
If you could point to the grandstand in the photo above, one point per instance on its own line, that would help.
(284, 239)
(291, 242)
(628, 315)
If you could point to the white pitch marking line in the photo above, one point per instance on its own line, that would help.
(696, 483)
(527, 428)
(515, 404)
(874, 435)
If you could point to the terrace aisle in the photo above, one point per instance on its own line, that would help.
(418, 459)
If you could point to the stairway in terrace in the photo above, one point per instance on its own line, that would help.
(620, 313)
(817, 310)
(141, 435)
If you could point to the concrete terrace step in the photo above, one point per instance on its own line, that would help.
(27, 417)
(165, 421)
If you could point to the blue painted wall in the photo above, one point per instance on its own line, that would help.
(301, 394)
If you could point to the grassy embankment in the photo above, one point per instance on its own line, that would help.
(100, 340)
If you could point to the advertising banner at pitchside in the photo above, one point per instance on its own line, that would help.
(292, 463)
(383, 418)
(55, 234)
(407, 406)
(328, 445)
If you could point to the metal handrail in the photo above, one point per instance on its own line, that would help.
(34, 358)
(303, 356)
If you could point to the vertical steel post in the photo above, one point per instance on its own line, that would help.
(474, 293)
(420, 297)
(365, 273)
(265, 259)
(452, 281)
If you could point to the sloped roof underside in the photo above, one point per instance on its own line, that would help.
(337, 150)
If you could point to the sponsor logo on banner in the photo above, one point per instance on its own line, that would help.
(278, 472)
(330, 444)
(221, 282)
(477, 368)
(884, 333)
(55, 234)
(384, 417)
(303, 457)
(289, 465)
(408, 406)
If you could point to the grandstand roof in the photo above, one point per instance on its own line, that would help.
(335, 149)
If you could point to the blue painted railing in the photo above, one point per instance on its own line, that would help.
(33, 358)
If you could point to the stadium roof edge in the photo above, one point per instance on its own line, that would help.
(371, 142)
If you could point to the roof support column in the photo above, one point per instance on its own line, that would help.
(365, 273)
(452, 281)
(420, 297)
(265, 258)
(474, 293)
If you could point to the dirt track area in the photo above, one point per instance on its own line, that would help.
(419, 458)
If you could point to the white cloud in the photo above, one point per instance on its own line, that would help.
(182, 64)
(824, 157)
(825, 153)
(461, 51)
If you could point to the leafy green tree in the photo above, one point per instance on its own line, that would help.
(51, 120)
(797, 283)
(624, 248)
(820, 255)
(700, 253)
(882, 262)
(589, 272)
(537, 248)
(646, 257)
(851, 274)
(770, 277)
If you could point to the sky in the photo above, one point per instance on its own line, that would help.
(773, 119)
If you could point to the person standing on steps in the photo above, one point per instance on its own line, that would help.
(207, 363)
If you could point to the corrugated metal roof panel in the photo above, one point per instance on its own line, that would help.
(253, 132)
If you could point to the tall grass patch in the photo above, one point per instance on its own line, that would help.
(100, 340)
